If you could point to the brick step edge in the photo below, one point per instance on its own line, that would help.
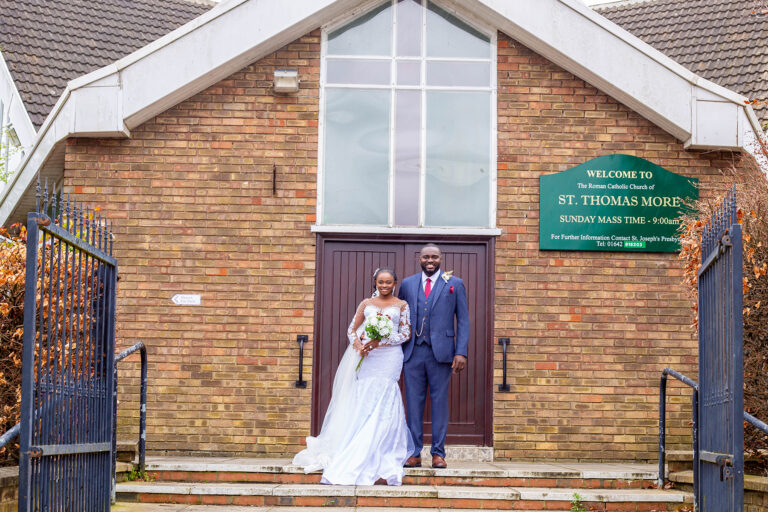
(410, 479)
(383, 496)
(151, 507)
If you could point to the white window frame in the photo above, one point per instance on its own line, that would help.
(489, 32)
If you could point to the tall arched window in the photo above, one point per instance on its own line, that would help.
(407, 119)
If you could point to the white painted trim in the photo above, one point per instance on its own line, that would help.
(392, 116)
(423, 119)
(320, 172)
(411, 87)
(111, 100)
(362, 8)
(106, 102)
(581, 41)
(494, 170)
(15, 111)
(406, 231)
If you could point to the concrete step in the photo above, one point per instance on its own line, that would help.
(127, 451)
(122, 470)
(411, 496)
(481, 474)
(462, 453)
(163, 507)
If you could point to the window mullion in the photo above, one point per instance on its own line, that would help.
(392, 110)
(321, 171)
(423, 120)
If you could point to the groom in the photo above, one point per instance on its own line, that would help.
(435, 349)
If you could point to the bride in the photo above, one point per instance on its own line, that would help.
(364, 437)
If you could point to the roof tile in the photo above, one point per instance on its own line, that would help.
(47, 43)
(723, 41)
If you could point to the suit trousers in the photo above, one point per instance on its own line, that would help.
(422, 370)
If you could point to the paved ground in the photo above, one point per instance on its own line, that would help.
(142, 507)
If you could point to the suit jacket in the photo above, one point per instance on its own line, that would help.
(443, 308)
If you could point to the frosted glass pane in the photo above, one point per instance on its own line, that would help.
(356, 184)
(458, 158)
(460, 74)
(370, 34)
(407, 156)
(409, 72)
(358, 71)
(409, 26)
(448, 36)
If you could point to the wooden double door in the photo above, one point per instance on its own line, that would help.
(345, 277)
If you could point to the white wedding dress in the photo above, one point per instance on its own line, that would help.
(364, 435)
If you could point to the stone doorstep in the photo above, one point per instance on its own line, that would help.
(586, 471)
(462, 453)
(751, 482)
(414, 491)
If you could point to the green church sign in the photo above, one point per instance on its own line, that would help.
(613, 203)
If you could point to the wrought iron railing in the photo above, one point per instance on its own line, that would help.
(695, 405)
(14, 432)
(142, 411)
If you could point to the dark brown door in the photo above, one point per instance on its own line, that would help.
(345, 269)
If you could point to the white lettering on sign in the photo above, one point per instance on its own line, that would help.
(186, 300)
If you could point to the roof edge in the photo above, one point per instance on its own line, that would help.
(102, 102)
(19, 115)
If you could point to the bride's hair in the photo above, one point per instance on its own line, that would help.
(376, 275)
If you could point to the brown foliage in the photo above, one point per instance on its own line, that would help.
(752, 201)
(12, 268)
(63, 331)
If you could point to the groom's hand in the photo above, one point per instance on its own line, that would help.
(459, 362)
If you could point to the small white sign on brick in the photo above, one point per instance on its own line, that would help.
(186, 299)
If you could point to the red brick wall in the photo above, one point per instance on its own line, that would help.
(590, 332)
(191, 196)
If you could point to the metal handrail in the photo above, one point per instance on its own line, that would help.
(663, 423)
(755, 422)
(10, 435)
(142, 412)
(695, 400)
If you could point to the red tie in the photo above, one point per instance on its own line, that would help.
(428, 287)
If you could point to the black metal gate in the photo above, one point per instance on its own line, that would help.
(67, 384)
(720, 465)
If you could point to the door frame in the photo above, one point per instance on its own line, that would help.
(490, 248)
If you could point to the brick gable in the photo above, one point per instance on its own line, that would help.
(191, 197)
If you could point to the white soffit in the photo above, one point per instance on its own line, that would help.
(114, 99)
(595, 49)
(15, 109)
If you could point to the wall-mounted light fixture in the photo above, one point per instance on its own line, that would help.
(286, 81)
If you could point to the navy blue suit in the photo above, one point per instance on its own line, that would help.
(428, 355)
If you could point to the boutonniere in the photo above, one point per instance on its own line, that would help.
(450, 290)
(446, 276)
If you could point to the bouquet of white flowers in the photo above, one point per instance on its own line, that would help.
(377, 327)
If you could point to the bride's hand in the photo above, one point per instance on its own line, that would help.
(371, 345)
(359, 347)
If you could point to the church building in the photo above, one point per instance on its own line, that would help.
(262, 160)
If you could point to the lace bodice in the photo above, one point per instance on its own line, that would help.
(398, 313)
